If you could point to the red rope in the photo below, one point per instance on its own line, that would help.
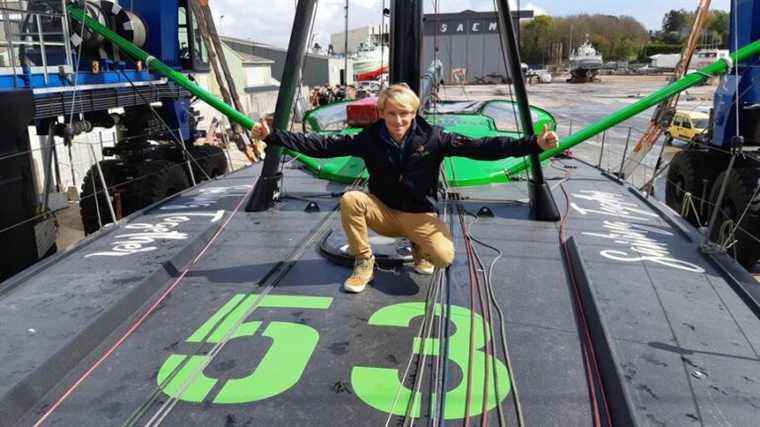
(142, 318)
(589, 356)
(473, 278)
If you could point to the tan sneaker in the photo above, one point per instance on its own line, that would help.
(364, 272)
(423, 266)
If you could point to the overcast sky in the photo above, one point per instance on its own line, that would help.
(270, 21)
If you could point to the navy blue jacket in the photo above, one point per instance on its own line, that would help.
(408, 182)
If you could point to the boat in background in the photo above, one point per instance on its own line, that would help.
(585, 63)
(369, 58)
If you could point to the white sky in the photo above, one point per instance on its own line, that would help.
(270, 21)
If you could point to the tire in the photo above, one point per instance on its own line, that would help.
(210, 158)
(114, 173)
(668, 138)
(157, 180)
(742, 184)
(685, 175)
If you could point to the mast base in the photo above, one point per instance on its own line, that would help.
(542, 205)
(265, 193)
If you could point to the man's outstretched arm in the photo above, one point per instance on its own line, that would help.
(499, 147)
(312, 144)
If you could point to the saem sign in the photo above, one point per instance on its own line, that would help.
(467, 23)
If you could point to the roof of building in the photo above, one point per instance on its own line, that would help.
(262, 45)
(249, 58)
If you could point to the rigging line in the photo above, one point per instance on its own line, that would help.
(299, 96)
(30, 151)
(436, 376)
(447, 211)
(490, 330)
(579, 312)
(589, 356)
(485, 318)
(713, 205)
(143, 317)
(76, 71)
(97, 207)
(445, 357)
(176, 137)
(382, 37)
(427, 320)
(734, 103)
(444, 316)
(422, 359)
(178, 140)
(419, 334)
(471, 350)
(140, 411)
(436, 388)
(746, 210)
(403, 377)
(487, 330)
(736, 66)
(28, 220)
(503, 336)
(121, 184)
(504, 60)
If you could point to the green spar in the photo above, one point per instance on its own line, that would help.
(154, 64)
(716, 68)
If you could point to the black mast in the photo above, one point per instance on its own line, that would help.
(542, 205)
(267, 185)
(406, 43)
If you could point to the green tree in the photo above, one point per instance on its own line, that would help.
(536, 39)
(676, 21)
(718, 26)
(615, 37)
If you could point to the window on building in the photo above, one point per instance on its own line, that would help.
(192, 50)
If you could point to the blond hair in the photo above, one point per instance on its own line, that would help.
(399, 94)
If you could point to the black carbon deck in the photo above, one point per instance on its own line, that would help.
(675, 343)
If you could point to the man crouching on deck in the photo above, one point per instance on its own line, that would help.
(403, 154)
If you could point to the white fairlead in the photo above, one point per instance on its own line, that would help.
(148, 60)
(729, 63)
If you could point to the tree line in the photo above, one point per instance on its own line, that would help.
(549, 40)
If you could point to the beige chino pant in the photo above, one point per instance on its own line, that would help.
(360, 211)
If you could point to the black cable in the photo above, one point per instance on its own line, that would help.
(176, 139)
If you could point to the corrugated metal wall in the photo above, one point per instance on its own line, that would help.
(316, 69)
(468, 40)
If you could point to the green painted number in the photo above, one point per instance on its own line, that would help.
(280, 369)
(380, 387)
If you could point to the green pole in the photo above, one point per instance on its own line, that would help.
(154, 64)
(717, 68)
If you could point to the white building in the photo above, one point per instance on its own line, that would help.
(253, 79)
(664, 61)
(705, 57)
(371, 34)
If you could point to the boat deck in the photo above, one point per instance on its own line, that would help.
(188, 313)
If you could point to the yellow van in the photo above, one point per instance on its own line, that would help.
(690, 126)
